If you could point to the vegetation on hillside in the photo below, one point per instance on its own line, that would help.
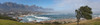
(6, 17)
(87, 22)
(83, 12)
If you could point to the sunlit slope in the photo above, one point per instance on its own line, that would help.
(9, 22)
(87, 22)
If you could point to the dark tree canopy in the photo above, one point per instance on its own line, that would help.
(85, 12)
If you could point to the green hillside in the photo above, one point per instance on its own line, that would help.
(87, 22)
(10, 22)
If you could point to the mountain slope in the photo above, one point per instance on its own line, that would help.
(14, 8)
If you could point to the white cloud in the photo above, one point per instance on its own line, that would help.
(70, 5)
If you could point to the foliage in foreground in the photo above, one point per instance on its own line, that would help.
(83, 12)
(87, 22)
(6, 17)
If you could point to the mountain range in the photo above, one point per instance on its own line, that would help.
(14, 8)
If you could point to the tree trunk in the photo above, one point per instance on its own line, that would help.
(77, 21)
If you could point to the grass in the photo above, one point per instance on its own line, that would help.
(9, 22)
(87, 22)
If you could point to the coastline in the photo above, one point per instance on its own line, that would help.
(60, 21)
(57, 20)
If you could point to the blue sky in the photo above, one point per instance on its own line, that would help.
(30, 2)
(60, 6)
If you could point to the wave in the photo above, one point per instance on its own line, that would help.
(30, 19)
(41, 17)
(34, 18)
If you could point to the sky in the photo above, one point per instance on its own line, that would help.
(60, 6)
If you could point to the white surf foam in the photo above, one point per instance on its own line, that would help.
(42, 17)
(38, 19)
(30, 19)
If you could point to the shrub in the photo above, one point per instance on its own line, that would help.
(6, 17)
(56, 23)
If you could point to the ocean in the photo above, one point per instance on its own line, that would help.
(39, 18)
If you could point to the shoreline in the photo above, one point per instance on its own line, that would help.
(60, 21)
(57, 20)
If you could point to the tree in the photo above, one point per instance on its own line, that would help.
(77, 16)
(83, 12)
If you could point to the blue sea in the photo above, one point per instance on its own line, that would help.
(39, 18)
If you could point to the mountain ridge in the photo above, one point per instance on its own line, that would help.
(10, 7)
